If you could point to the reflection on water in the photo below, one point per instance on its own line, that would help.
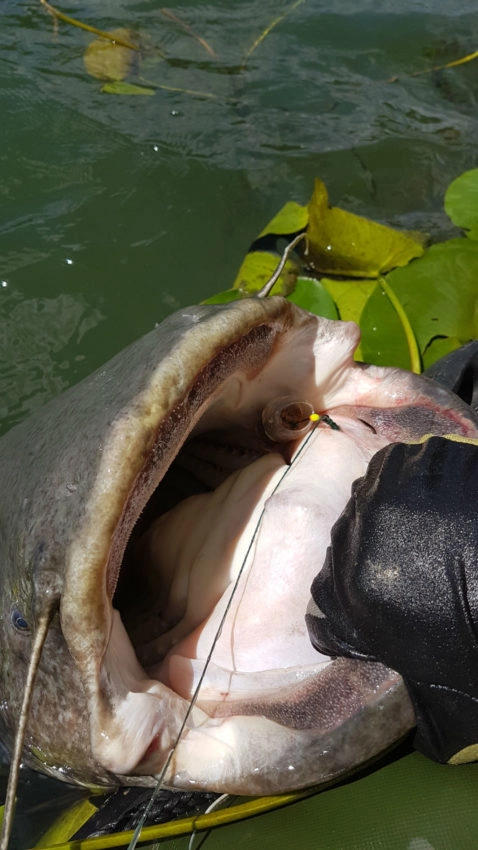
(116, 210)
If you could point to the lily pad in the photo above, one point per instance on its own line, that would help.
(350, 296)
(341, 243)
(223, 297)
(311, 295)
(436, 296)
(308, 294)
(440, 297)
(292, 218)
(383, 339)
(439, 347)
(107, 60)
(258, 267)
(461, 202)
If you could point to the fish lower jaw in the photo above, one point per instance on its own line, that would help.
(137, 720)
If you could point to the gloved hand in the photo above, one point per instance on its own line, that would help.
(400, 585)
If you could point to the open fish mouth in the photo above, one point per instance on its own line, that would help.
(199, 513)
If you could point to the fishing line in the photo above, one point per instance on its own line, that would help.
(314, 419)
(216, 804)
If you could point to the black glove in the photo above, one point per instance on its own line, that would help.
(400, 585)
(458, 371)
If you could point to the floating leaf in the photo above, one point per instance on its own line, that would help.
(107, 60)
(258, 267)
(311, 295)
(291, 219)
(383, 339)
(224, 297)
(120, 87)
(412, 344)
(348, 245)
(439, 347)
(350, 296)
(461, 202)
(308, 294)
(439, 295)
(429, 307)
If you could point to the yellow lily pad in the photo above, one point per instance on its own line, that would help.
(350, 296)
(258, 267)
(109, 60)
(341, 243)
(291, 218)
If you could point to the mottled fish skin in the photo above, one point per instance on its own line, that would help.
(74, 479)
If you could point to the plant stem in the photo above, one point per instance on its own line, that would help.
(76, 23)
(414, 351)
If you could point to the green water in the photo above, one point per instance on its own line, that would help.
(116, 211)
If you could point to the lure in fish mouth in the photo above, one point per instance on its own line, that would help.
(165, 519)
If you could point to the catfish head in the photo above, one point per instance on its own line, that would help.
(162, 523)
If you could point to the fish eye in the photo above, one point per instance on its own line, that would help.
(18, 621)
